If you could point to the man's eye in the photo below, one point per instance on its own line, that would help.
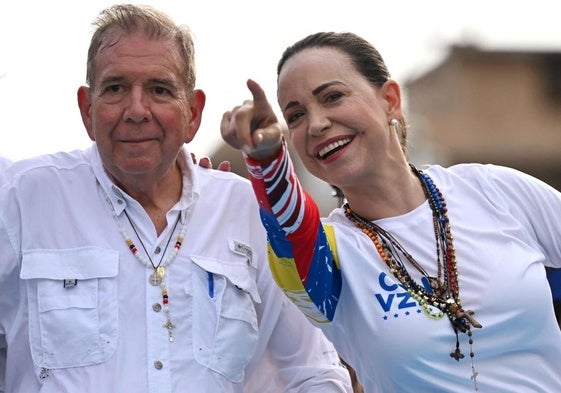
(161, 91)
(114, 88)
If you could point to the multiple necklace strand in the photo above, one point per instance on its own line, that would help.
(159, 275)
(443, 296)
(157, 278)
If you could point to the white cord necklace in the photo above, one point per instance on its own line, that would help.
(159, 275)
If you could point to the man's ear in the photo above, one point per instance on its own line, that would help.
(85, 104)
(196, 106)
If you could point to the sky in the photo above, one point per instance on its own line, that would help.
(43, 48)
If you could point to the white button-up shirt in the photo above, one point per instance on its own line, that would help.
(4, 162)
(77, 311)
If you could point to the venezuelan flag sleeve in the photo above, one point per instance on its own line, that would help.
(302, 251)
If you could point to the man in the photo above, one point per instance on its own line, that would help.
(125, 267)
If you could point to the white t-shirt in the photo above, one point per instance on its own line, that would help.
(506, 228)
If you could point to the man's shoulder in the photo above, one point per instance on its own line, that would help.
(4, 162)
(47, 165)
(226, 179)
(218, 186)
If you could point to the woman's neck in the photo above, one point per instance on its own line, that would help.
(394, 194)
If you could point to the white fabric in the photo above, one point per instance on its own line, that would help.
(102, 334)
(506, 227)
(4, 163)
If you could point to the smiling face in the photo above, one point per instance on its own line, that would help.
(139, 110)
(337, 119)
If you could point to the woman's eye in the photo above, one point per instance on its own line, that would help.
(333, 96)
(293, 117)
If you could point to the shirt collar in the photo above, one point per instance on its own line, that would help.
(119, 199)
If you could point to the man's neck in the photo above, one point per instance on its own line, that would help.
(157, 197)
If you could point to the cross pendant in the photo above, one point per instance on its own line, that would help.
(457, 354)
(463, 321)
(468, 315)
(169, 325)
(474, 378)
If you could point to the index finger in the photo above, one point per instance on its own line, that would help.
(259, 97)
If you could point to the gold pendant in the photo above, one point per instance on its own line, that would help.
(155, 279)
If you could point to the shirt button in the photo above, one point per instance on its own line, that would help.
(158, 365)
(157, 250)
(157, 307)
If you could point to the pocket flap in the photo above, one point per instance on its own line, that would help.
(237, 271)
(75, 263)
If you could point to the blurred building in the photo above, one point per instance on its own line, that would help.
(501, 107)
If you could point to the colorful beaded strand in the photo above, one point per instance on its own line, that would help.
(159, 270)
(444, 298)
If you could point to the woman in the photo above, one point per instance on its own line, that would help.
(426, 280)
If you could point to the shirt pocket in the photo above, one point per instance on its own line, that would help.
(72, 305)
(225, 328)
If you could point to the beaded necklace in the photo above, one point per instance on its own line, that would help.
(159, 275)
(443, 298)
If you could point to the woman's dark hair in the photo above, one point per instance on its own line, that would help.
(366, 59)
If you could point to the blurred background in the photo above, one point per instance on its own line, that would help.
(481, 79)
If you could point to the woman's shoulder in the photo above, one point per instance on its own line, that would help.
(477, 173)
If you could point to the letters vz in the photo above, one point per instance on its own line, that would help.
(395, 297)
